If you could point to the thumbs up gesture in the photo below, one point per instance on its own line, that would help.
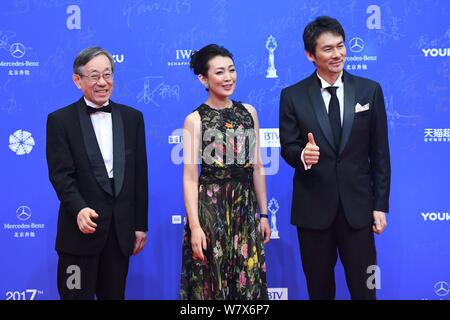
(311, 154)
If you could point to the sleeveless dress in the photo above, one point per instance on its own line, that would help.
(234, 265)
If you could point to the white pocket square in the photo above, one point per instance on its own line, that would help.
(360, 108)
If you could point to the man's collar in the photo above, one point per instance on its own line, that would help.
(324, 83)
(93, 105)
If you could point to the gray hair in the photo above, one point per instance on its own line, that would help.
(86, 55)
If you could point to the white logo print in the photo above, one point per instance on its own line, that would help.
(441, 288)
(356, 44)
(271, 45)
(17, 50)
(273, 207)
(23, 213)
(21, 142)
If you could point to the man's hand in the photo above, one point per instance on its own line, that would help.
(379, 220)
(311, 154)
(84, 220)
(139, 241)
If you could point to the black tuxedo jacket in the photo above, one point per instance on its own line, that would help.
(79, 177)
(357, 173)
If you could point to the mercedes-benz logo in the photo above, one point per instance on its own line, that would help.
(23, 213)
(356, 44)
(17, 50)
(441, 288)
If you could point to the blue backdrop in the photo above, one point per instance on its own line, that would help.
(405, 45)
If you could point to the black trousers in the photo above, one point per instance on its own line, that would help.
(103, 275)
(319, 250)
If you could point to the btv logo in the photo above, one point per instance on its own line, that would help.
(183, 54)
(278, 293)
(269, 137)
(433, 216)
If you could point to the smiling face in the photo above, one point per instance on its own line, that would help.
(330, 54)
(99, 91)
(221, 78)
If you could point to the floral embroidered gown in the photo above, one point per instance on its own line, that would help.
(234, 265)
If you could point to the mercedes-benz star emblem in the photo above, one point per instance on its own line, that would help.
(17, 50)
(356, 44)
(441, 288)
(23, 213)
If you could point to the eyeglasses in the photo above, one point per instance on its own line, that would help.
(95, 77)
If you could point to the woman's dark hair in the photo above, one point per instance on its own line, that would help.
(200, 59)
(315, 28)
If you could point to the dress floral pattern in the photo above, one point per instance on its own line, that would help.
(234, 265)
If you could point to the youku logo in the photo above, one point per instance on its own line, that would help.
(21, 142)
(118, 58)
(436, 216)
(436, 52)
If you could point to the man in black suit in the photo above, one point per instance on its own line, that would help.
(97, 164)
(333, 132)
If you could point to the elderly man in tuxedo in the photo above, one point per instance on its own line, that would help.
(97, 164)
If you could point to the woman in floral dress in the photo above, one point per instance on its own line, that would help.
(227, 223)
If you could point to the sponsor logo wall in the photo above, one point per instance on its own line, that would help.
(403, 46)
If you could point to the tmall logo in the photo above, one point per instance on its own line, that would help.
(278, 293)
(23, 213)
(21, 142)
(436, 135)
(269, 137)
(436, 52)
(441, 288)
(436, 216)
(17, 50)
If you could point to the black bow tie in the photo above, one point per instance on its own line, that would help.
(90, 110)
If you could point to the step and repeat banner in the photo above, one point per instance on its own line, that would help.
(404, 45)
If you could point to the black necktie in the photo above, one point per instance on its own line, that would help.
(90, 109)
(334, 114)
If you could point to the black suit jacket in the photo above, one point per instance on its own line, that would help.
(79, 177)
(358, 172)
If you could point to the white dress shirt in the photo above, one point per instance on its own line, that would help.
(326, 96)
(102, 123)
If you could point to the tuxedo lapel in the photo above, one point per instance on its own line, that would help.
(319, 109)
(349, 109)
(118, 148)
(92, 147)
